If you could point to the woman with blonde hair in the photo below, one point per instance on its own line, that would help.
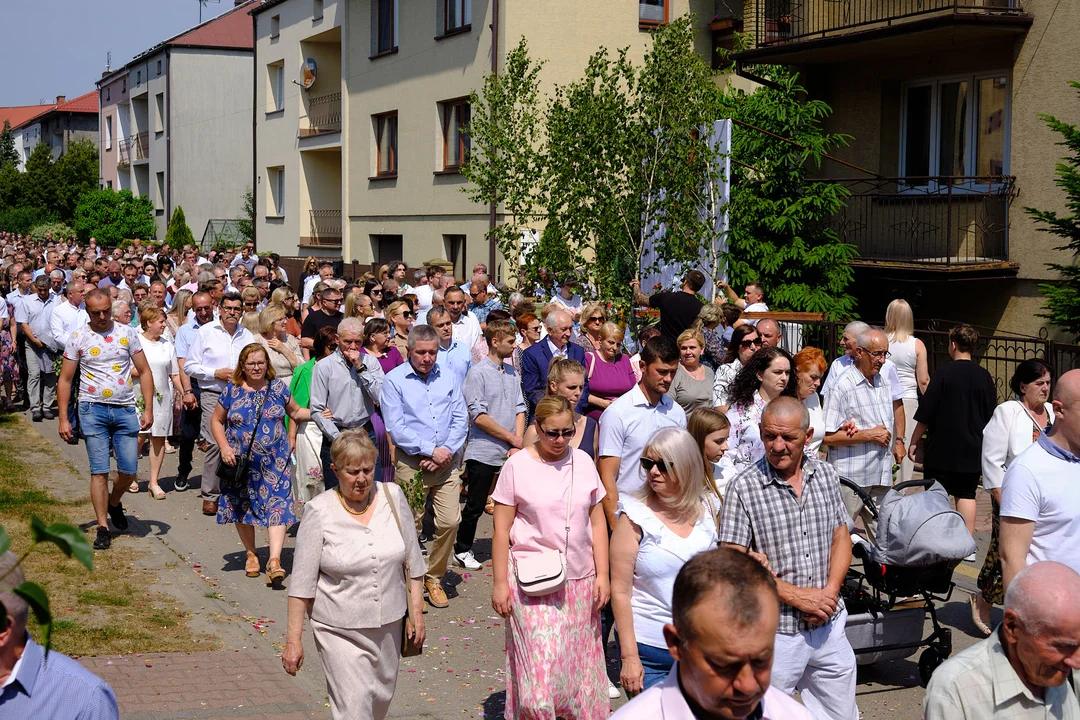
(710, 429)
(660, 527)
(908, 353)
(709, 321)
(283, 349)
(401, 317)
(358, 305)
(179, 311)
(607, 370)
(161, 357)
(547, 506)
(692, 387)
(566, 378)
(593, 319)
(286, 298)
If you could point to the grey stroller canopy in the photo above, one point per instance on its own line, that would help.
(920, 529)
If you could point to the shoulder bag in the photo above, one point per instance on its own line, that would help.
(543, 573)
(235, 476)
(408, 647)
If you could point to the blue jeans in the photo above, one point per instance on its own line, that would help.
(656, 662)
(116, 425)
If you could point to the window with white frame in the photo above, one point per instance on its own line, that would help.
(955, 127)
(275, 191)
(275, 86)
(159, 113)
(108, 132)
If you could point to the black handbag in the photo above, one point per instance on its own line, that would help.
(235, 476)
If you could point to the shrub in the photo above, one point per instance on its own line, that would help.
(58, 229)
(112, 217)
(179, 234)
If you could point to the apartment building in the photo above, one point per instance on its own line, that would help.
(941, 100)
(363, 162)
(175, 122)
(56, 124)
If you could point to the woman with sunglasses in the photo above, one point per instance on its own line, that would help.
(566, 378)
(374, 291)
(660, 527)
(554, 655)
(401, 319)
(766, 376)
(306, 437)
(593, 318)
(745, 341)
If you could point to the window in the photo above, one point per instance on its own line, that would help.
(457, 15)
(385, 248)
(454, 115)
(107, 94)
(275, 185)
(386, 148)
(652, 13)
(108, 132)
(108, 184)
(123, 85)
(955, 127)
(384, 34)
(454, 246)
(275, 26)
(275, 89)
(138, 78)
(159, 119)
(159, 68)
(316, 9)
(160, 201)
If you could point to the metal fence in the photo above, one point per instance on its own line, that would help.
(324, 115)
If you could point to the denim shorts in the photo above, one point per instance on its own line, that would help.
(656, 662)
(110, 425)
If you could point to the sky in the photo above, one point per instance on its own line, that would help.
(58, 47)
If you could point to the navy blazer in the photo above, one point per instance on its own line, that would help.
(535, 362)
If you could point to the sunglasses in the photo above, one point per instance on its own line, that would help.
(648, 464)
(376, 292)
(475, 294)
(556, 434)
(748, 343)
(596, 319)
(407, 315)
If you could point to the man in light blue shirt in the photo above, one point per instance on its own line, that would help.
(33, 686)
(427, 419)
(202, 307)
(455, 357)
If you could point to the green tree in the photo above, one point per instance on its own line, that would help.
(8, 154)
(39, 180)
(245, 224)
(1063, 297)
(178, 233)
(58, 229)
(76, 172)
(112, 217)
(778, 217)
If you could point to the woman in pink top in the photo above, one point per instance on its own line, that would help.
(608, 370)
(554, 655)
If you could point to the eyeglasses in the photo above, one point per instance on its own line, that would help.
(256, 364)
(648, 464)
(748, 343)
(877, 354)
(231, 309)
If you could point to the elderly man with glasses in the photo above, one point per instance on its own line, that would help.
(327, 314)
(865, 454)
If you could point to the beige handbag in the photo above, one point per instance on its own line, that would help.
(540, 574)
(408, 647)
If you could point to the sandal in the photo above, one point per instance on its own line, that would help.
(251, 567)
(156, 492)
(133, 487)
(979, 624)
(274, 572)
(489, 506)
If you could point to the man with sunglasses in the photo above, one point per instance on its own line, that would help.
(202, 308)
(482, 304)
(211, 360)
(866, 454)
(327, 314)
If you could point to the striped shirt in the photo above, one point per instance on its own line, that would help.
(869, 403)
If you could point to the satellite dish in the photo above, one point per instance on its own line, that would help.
(308, 71)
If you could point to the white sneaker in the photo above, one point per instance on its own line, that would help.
(970, 558)
(467, 560)
(613, 692)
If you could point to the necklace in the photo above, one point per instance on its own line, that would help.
(341, 499)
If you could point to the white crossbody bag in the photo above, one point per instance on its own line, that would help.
(540, 574)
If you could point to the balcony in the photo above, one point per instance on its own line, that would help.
(823, 31)
(940, 224)
(324, 115)
(325, 229)
(132, 149)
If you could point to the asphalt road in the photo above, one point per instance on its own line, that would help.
(462, 671)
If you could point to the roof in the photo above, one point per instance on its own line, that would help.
(21, 114)
(228, 30)
(265, 5)
(87, 103)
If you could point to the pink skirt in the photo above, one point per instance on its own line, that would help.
(554, 655)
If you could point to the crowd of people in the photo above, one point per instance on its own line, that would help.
(612, 469)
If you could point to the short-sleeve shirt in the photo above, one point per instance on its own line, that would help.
(539, 491)
(104, 363)
(626, 427)
(678, 311)
(869, 404)
(956, 406)
(316, 320)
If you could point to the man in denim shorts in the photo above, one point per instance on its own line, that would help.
(104, 353)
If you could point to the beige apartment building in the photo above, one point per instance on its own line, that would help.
(941, 99)
(358, 107)
(175, 123)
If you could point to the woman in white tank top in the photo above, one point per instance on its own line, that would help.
(909, 355)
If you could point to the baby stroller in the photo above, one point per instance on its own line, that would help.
(920, 541)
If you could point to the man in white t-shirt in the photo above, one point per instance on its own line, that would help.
(753, 300)
(1040, 505)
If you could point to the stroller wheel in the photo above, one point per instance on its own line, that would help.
(928, 662)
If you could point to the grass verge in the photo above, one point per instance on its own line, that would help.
(109, 611)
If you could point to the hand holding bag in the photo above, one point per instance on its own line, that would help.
(540, 574)
(235, 476)
(408, 647)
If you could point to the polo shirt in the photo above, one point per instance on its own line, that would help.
(1041, 486)
(626, 427)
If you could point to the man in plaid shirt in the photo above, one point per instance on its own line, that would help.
(787, 507)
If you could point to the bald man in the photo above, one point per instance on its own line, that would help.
(1040, 505)
(1025, 669)
(769, 330)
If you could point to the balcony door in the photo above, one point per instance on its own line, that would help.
(955, 131)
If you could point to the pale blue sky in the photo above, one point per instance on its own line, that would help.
(58, 47)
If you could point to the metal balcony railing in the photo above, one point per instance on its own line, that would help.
(784, 21)
(133, 147)
(324, 115)
(325, 227)
(945, 222)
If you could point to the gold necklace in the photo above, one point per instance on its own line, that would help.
(341, 499)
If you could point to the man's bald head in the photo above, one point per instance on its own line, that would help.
(1067, 390)
(1042, 594)
(787, 408)
(769, 330)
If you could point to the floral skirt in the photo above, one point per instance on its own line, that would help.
(991, 579)
(554, 655)
(9, 363)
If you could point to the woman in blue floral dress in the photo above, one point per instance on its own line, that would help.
(264, 498)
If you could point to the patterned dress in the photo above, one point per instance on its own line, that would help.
(744, 443)
(265, 499)
(9, 365)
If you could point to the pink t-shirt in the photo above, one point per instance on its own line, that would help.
(539, 491)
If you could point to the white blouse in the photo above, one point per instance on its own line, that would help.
(1009, 433)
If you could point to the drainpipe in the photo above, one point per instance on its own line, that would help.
(254, 128)
(168, 135)
(492, 255)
